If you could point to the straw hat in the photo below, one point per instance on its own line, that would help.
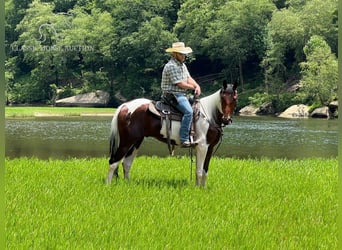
(179, 47)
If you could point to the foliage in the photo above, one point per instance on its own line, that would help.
(236, 35)
(320, 72)
(278, 102)
(288, 32)
(249, 204)
(259, 98)
(29, 90)
(119, 45)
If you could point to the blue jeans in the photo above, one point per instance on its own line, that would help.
(184, 107)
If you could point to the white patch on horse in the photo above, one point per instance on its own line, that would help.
(174, 133)
(209, 104)
(127, 163)
(112, 168)
(134, 104)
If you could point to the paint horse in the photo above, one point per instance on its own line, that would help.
(133, 121)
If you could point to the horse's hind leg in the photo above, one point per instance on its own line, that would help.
(129, 157)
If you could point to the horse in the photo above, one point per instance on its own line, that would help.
(133, 121)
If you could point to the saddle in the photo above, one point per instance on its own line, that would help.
(168, 113)
(163, 110)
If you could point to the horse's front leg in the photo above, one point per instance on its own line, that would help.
(201, 174)
(113, 170)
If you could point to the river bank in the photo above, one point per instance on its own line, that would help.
(49, 111)
(52, 111)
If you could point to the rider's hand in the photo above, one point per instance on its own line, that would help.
(197, 90)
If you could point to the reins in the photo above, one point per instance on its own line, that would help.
(221, 136)
(215, 125)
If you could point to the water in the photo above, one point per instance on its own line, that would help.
(254, 137)
(282, 138)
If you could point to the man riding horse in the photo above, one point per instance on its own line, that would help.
(134, 120)
(176, 80)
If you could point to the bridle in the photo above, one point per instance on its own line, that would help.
(228, 90)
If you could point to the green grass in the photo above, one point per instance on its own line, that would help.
(248, 204)
(55, 111)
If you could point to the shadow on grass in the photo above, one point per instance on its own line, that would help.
(170, 183)
(149, 182)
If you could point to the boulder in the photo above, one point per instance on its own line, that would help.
(296, 111)
(322, 112)
(93, 99)
(333, 109)
(266, 109)
(249, 110)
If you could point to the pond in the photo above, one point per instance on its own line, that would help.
(247, 137)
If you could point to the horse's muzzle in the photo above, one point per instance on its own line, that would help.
(227, 121)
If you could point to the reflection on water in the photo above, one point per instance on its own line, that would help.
(281, 138)
(247, 137)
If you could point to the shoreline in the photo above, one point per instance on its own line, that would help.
(27, 112)
(38, 114)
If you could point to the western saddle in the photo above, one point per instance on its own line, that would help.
(167, 111)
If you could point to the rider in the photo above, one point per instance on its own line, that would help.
(177, 80)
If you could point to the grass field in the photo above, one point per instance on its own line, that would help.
(248, 204)
(12, 112)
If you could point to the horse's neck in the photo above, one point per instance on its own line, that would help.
(210, 105)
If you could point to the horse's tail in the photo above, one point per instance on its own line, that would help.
(114, 137)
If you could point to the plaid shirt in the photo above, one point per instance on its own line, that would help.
(173, 73)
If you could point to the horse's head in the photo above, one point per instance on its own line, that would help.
(228, 96)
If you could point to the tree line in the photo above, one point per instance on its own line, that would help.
(78, 46)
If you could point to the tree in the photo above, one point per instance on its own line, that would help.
(320, 18)
(142, 33)
(118, 45)
(86, 46)
(38, 34)
(319, 72)
(237, 34)
(62, 5)
(193, 24)
(144, 56)
(65, 48)
(285, 36)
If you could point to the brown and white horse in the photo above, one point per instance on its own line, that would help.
(133, 121)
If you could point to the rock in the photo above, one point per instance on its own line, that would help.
(266, 109)
(296, 111)
(93, 99)
(120, 97)
(249, 110)
(333, 104)
(322, 112)
(333, 109)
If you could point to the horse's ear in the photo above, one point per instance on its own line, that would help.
(225, 84)
(235, 86)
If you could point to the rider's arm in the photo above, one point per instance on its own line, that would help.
(190, 84)
(185, 85)
(194, 85)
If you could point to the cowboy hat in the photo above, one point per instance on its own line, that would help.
(179, 47)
